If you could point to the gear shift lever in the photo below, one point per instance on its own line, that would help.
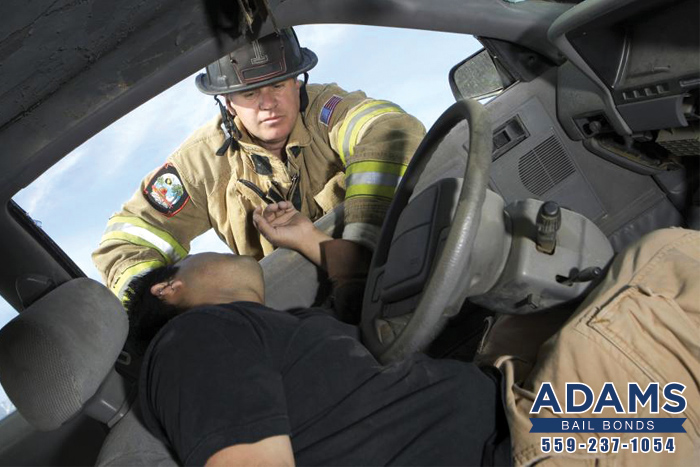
(548, 223)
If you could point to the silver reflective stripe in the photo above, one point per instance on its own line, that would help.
(372, 178)
(165, 248)
(356, 118)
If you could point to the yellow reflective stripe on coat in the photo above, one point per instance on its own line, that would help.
(132, 272)
(139, 232)
(373, 178)
(355, 121)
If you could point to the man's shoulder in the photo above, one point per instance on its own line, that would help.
(205, 137)
(315, 90)
(320, 93)
(203, 322)
(329, 100)
(196, 157)
(214, 315)
(218, 325)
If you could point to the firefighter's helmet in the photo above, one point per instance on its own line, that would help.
(272, 58)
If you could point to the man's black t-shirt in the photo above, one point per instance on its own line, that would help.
(239, 373)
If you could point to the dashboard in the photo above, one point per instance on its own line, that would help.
(638, 60)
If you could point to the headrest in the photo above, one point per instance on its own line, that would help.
(55, 355)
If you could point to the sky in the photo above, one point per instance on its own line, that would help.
(407, 67)
(74, 199)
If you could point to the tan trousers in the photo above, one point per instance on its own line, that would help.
(641, 324)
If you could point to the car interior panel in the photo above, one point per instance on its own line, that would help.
(594, 134)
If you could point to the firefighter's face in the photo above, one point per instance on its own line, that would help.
(268, 113)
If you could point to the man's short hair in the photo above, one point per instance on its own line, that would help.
(147, 312)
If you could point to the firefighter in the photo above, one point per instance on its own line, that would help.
(276, 139)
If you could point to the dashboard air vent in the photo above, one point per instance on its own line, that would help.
(545, 166)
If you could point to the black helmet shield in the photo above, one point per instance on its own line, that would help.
(265, 61)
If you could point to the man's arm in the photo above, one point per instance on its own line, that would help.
(272, 451)
(346, 262)
(153, 229)
(375, 140)
(376, 153)
(283, 226)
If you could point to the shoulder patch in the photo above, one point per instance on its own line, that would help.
(165, 192)
(328, 108)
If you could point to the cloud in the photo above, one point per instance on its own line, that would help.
(323, 38)
(41, 194)
(409, 67)
(209, 242)
(81, 246)
(406, 66)
(166, 119)
(6, 312)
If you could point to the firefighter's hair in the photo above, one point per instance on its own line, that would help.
(147, 313)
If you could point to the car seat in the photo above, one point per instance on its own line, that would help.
(57, 359)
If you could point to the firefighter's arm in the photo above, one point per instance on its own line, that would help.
(375, 140)
(154, 228)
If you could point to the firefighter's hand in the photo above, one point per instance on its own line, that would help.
(285, 227)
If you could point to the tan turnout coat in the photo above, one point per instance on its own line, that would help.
(346, 146)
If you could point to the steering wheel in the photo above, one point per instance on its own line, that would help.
(437, 287)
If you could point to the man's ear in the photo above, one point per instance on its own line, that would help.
(168, 290)
(229, 106)
(298, 83)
